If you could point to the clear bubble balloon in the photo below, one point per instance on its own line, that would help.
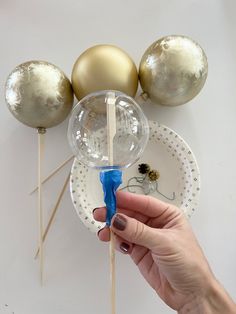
(88, 130)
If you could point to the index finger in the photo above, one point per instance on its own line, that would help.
(146, 205)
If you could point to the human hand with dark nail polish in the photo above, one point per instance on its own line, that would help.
(160, 241)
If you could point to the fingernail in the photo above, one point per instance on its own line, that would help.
(119, 222)
(95, 209)
(99, 231)
(124, 247)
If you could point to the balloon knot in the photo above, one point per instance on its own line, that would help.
(41, 130)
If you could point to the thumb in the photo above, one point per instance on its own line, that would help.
(135, 231)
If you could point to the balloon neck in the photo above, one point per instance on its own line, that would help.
(144, 96)
(41, 130)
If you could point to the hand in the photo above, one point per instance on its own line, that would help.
(161, 243)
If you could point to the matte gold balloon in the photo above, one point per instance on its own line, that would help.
(39, 94)
(104, 67)
(173, 70)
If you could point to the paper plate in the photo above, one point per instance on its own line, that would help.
(166, 152)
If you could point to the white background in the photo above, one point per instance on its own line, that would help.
(77, 278)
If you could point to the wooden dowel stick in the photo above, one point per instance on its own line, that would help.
(111, 131)
(53, 173)
(40, 209)
(54, 212)
(112, 273)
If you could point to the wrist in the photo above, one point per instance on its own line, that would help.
(215, 300)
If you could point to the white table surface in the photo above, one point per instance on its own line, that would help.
(76, 272)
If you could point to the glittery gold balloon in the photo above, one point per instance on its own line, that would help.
(173, 70)
(39, 94)
(104, 67)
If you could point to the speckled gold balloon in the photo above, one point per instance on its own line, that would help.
(173, 70)
(39, 94)
(104, 67)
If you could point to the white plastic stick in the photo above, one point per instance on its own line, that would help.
(111, 124)
(111, 131)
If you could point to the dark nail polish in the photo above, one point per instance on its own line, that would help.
(99, 231)
(119, 222)
(95, 209)
(124, 247)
